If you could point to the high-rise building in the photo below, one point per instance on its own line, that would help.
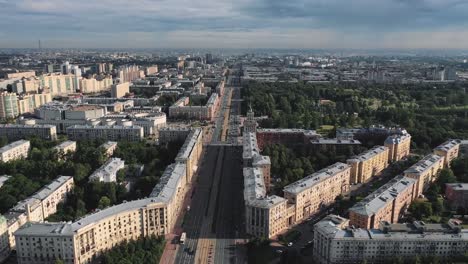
(120, 90)
(8, 105)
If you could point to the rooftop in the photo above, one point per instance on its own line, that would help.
(189, 144)
(45, 229)
(169, 182)
(334, 141)
(382, 196)
(65, 144)
(396, 139)
(14, 145)
(316, 178)
(448, 145)
(458, 186)
(368, 154)
(426, 163)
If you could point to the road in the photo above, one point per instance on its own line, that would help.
(214, 224)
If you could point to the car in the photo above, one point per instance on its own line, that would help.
(290, 244)
(279, 251)
(310, 242)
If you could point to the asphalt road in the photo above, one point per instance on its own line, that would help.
(199, 206)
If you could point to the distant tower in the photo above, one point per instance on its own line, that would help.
(250, 125)
(39, 45)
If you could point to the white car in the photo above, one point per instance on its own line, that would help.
(290, 244)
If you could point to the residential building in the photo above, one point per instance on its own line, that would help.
(20, 75)
(8, 105)
(65, 148)
(368, 164)
(317, 191)
(250, 124)
(109, 147)
(108, 171)
(80, 242)
(96, 85)
(457, 195)
(191, 151)
(114, 133)
(182, 109)
(265, 216)
(19, 131)
(449, 150)
(252, 158)
(3, 179)
(334, 144)
(4, 241)
(387, 203)
(171, 134)
(425, 171)
(39, 206)
(398, 146)
(120, 90)
(16, 150)
(336, 242)
(289, 137)
(128, 73)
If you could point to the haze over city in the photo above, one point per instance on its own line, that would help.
(302, 24)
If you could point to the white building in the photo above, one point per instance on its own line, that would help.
(108, 171)
(16, 150)
(336, 242)
(114, 133)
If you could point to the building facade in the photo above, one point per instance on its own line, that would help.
(113, 133)
(398, 146)
(387, 203)
(108, 171)
(457, 195)
(16, 150)
(17, 131)
(368, 164)
(449, 150)
(425, 171)
(317, 191)
(336, 241)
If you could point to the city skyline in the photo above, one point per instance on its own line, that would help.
(298, 24)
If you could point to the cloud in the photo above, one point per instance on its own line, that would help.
(227, 23)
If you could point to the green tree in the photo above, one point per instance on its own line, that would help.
(104, 202)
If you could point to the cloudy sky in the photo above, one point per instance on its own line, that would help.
(429, 24)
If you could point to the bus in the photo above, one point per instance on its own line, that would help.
(182, 238)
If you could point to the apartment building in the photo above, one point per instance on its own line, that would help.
(171, 189)
(387, 203)
(39, 206)
(333, 144)
(265, 216)
(94, 85)
(250, 124)
(182, 109)
(8, 105)
(65, 148)
(88, 237)
(108, 171)
(457, 195)
(425, 171)
(368, 164)
(449, 150)
(171, 134)
(127, 132)
(191, 151)
(252, 158)
(289, 137)
(317, 191)
(336, 242)
(398, 146)
(4, 241)
(109, 147)
(16, 150)
(150, 122)
(120, 90)
(19, 131)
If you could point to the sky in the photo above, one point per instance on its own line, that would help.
(293, 24)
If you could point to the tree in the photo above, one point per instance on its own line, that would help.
(104, 202)
(445, 176)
